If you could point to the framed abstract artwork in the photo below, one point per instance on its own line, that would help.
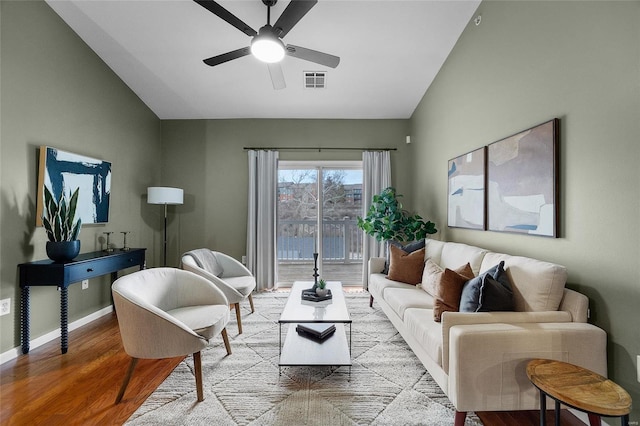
(522, 182)
(63, 172)
(466, 196)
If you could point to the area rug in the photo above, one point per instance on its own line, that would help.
(387, 384)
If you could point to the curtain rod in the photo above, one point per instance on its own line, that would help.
(319, 148)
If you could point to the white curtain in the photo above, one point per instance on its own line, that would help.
(261, 225)
(376, 167)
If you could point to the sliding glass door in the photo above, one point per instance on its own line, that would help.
(318, 206)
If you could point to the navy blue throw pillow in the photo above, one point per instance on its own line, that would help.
(496, 295)
(489, 291)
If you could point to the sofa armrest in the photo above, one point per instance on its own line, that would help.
(376, 265)
(575, 303)
(488, 361)
(451, 319)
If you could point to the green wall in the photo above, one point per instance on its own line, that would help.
(57, 92)
(207, 159)
(526, 63)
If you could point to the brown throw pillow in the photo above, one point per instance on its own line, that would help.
(448, 289)
(405, 267)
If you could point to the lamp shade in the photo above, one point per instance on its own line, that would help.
(164, 195)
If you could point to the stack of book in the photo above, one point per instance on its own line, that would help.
(310, 294)
(316, 330)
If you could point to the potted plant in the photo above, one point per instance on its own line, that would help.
(386, 220)
(61, 226)
(321, 289)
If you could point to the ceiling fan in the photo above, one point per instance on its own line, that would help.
(267, 44)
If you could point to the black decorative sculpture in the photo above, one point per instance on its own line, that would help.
(315, 271)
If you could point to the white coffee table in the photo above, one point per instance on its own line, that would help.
(301, 351)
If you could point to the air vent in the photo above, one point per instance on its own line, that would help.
(315, 79)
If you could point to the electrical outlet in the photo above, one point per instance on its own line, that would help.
(244, 260)
(5, 306)
(85, 284)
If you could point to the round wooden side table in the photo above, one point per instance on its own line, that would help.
(578, 388)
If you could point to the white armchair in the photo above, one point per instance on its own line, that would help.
(229, 275)
(167, 312)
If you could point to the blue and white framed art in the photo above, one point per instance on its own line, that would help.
(63, 172)
(466, 194)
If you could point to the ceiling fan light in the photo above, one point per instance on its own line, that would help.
(267, 48)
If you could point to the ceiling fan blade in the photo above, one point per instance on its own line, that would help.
(225, 57)
(277, 77)
(294, 11)
(313, 56)
(227, 16)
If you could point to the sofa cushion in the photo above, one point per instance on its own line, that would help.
(205, 320)
(448, 290)
(243, 285)
(401, 299)
(378, 284)
(409, 248)
(456, 254)
(406, 267)
(489, 291)
(537, 285)
(433, 250)
(420, 324)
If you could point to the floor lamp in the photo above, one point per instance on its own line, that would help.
(165, 195)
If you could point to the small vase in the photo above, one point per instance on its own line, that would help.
(322, 292)
(62, 251)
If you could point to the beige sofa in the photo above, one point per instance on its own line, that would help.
(479, 358)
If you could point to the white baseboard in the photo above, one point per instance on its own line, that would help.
(55, 334)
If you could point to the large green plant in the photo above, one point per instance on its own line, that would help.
(387, 221)
(58, 216)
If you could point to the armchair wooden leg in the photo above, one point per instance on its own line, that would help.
(371, 301)
(460, 417)
(251, 303)
(127, 377)
(237, 306)
(197, 364)
(225, 338)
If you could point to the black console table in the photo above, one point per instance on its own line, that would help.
(63, 274)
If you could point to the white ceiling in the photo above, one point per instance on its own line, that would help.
(390, 52)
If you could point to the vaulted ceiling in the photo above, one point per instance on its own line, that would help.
(390, 51)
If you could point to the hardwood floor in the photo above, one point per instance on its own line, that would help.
(80, 387)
